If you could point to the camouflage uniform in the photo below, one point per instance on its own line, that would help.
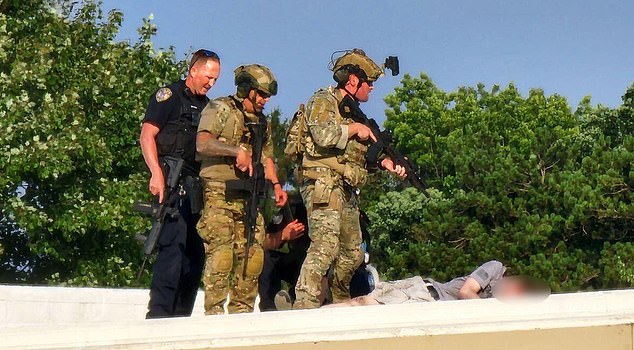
(333, 168)
(221, 225)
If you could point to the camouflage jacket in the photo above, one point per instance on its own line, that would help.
(223, 118)
(328, 138)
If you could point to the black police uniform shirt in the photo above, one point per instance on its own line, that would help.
(165, 105)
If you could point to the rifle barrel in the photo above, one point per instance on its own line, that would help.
(351, 108)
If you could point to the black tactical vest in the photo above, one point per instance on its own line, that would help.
(177, 138)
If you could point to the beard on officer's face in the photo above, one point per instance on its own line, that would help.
(254, 103)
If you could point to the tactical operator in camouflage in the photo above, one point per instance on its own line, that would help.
(333, 169)
(224, 146)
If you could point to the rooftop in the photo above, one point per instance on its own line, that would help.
(92, 318)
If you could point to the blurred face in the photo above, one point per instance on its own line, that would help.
(203, 76)
(513, 288)
(509, 288)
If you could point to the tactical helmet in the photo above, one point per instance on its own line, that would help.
(358, 63)
(255, 76)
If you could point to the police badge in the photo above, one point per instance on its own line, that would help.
(163, 94)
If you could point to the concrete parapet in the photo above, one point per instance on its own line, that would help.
(22, 305)
(598, 320)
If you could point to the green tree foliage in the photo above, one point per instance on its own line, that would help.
(519, 179)
(283, 164)
(71, 101)
(278, 136)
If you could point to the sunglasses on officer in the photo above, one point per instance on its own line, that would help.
(203, 53)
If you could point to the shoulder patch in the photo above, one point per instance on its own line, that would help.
(163, 94)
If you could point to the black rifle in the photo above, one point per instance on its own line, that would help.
(159, 211)
(252, 188)
(350, 108)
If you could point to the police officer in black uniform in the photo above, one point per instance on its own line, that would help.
(169, 130)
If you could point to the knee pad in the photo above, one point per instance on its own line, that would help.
(222, 260)
(256, 261)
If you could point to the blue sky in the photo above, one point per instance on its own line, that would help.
(572, 48)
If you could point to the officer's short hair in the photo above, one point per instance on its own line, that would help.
(203, 55)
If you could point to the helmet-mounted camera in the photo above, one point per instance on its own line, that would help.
(391, 63)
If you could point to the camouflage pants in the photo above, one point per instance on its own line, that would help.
(335, 233)
(221, 226)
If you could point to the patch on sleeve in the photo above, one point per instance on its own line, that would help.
(163, 94)
(320, 110)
